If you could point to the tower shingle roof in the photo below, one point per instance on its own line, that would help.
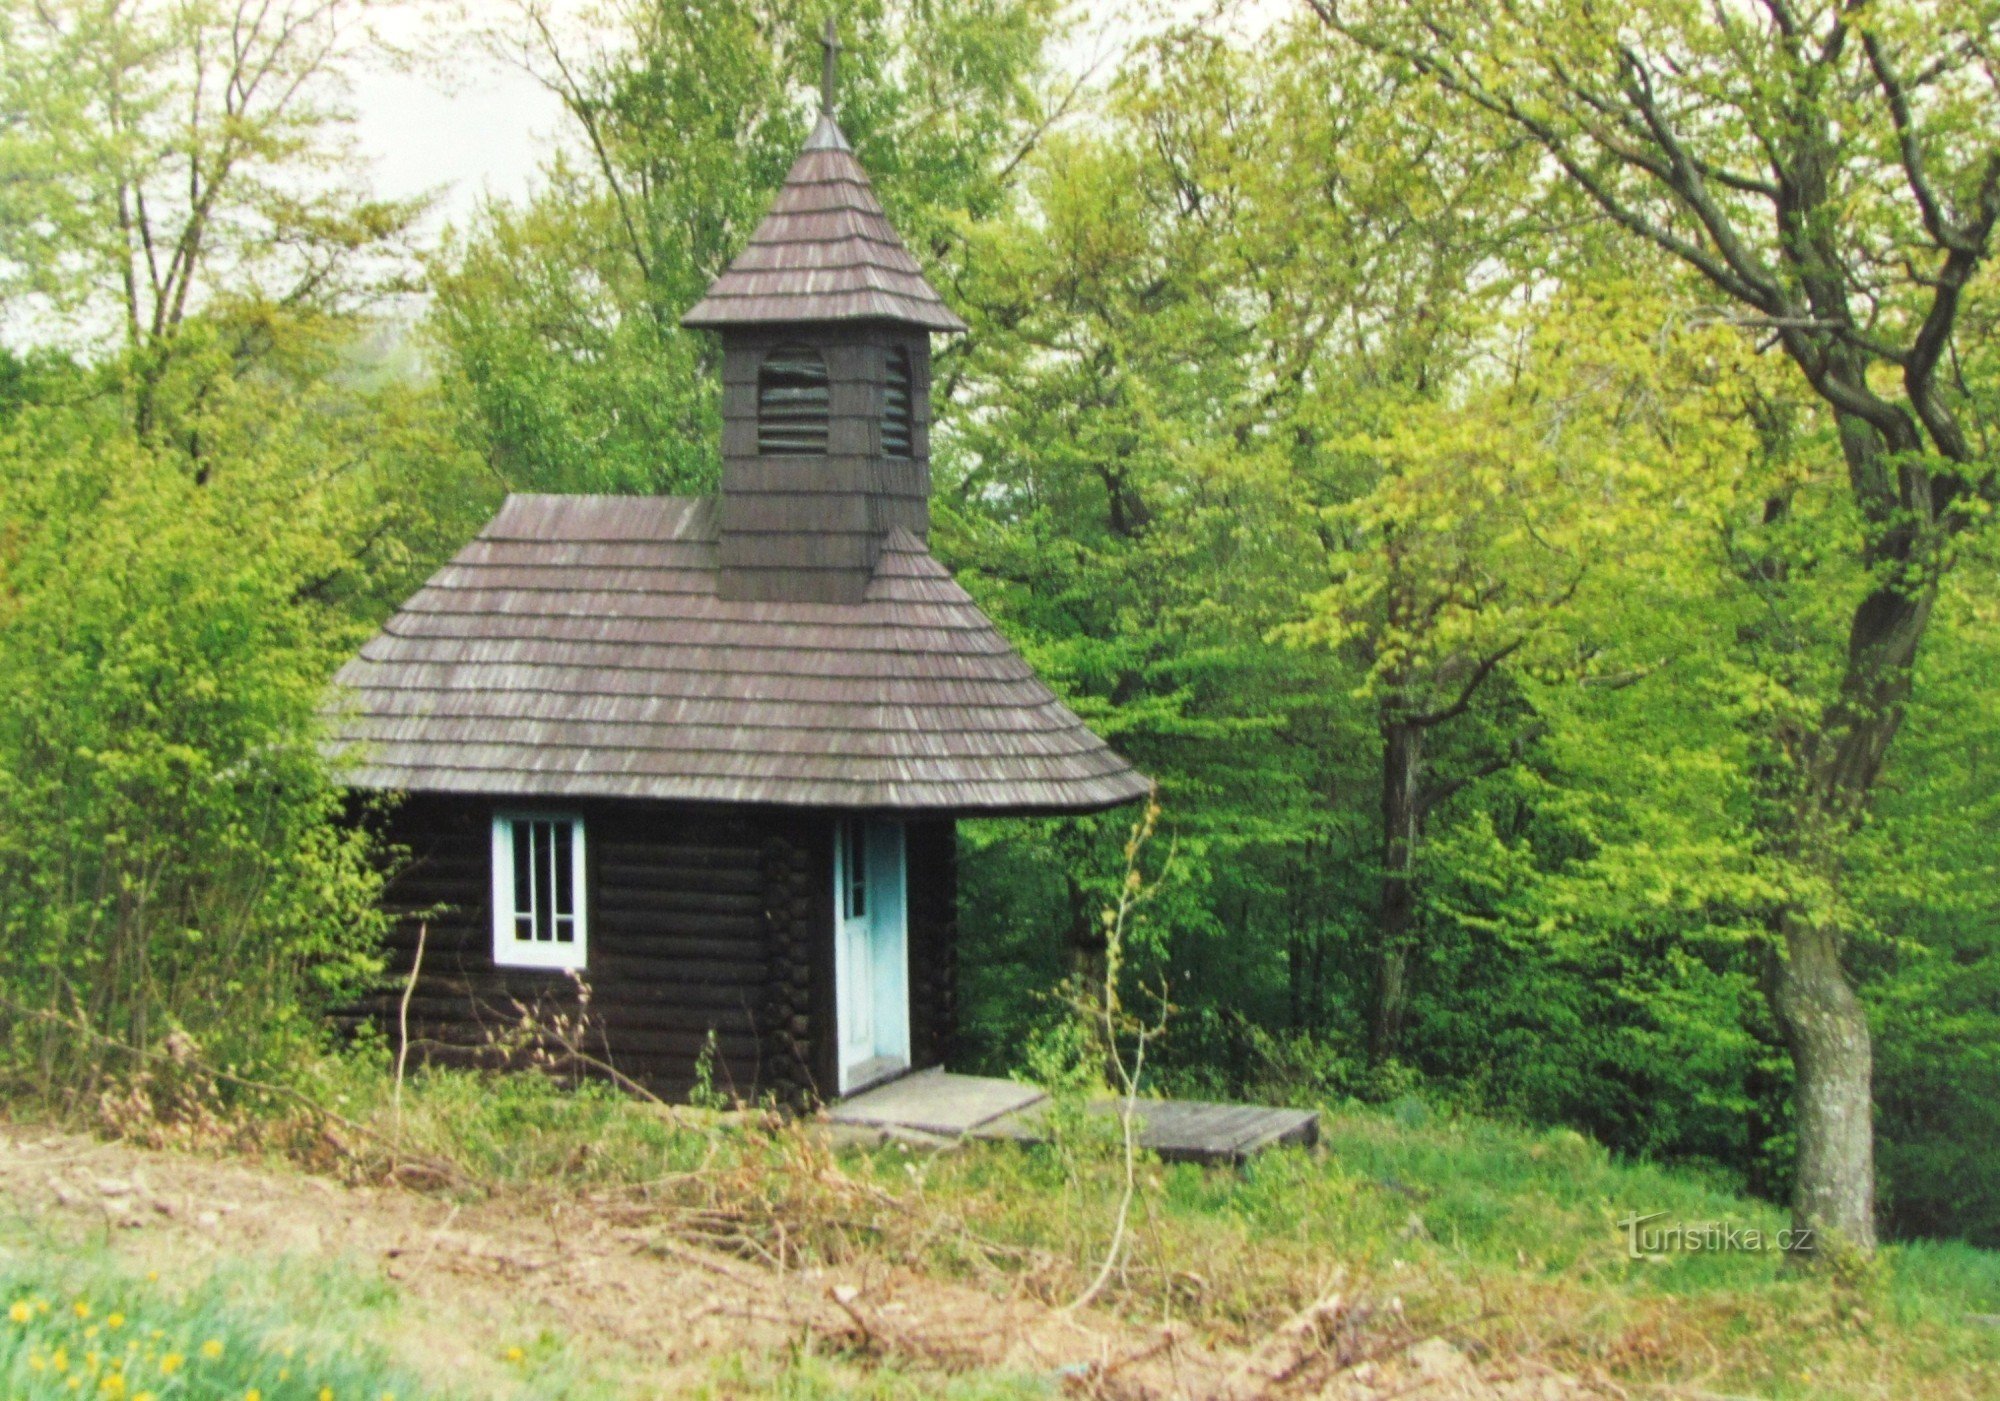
(825, 252)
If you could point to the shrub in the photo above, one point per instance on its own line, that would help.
(171, 863)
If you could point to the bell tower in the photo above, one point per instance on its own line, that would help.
(826, 320)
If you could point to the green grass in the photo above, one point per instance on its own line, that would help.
(79, 1322)
(1506, 1240)
(1510, 1240)
(80, 1318)
(1501, 1237)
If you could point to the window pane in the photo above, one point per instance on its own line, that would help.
(565, 901)
(857, 871)
(524, 899)
(543, 895)
(538, 916)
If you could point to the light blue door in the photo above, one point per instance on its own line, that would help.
(871, 956)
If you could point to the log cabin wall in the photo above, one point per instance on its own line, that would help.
(679, 939)
(700, 920)
(933, 916)
(798, 1027)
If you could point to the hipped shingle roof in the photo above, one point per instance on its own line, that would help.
(577, 648)
(825, 252)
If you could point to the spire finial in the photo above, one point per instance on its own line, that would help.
(830, 43)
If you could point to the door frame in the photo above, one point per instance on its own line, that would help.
(885, 981)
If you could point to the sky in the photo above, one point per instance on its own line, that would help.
(467, 125)
(464, 125)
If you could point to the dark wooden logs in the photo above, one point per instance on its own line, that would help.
(703, 923)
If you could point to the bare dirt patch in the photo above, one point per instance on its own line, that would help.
(658, 1315)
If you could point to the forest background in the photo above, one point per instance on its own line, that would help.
(1390, 425)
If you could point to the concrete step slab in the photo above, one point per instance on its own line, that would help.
(936, 1101)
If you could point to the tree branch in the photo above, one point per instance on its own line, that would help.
(1427, 719)
(1907, 148)
(1437, 796)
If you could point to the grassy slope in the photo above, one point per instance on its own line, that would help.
(83, 1319)
(94, 1315)
(1510, 1240)
(1535, 1220)
(1498, 1238)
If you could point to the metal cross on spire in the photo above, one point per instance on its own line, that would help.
(830, 43)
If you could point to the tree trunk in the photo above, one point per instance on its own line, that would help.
(1395, 913)
(1824, 1024)
(1295, 975)
(1085, 939)
(1833, 1187)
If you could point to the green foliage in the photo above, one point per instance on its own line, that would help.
(1929, 890)
(168, 160)
(1265, 365)
(171, 859)
(217, 471)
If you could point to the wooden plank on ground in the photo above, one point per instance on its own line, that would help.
(1183, 1130)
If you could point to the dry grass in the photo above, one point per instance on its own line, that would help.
(1444, 1258)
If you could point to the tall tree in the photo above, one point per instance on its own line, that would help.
(161, 156)
(1378, 232)
(1832, 170)
(1454, 564)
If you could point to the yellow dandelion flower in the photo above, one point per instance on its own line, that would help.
(212, 1349)
(21, 1311)
(91, 1331)
(116, 1320)
(152, 1276)
(142, 1396)
(76, 1383)
(171, 1364)
(514, 1354)
(253, 1395)
(113, 1386)
(326, 1393)
(82, 1308)
(59, 1359)
(37, 1362)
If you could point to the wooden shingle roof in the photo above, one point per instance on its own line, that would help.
(825, 252)
(577, 648)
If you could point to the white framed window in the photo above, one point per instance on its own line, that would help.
(854, 870)
(539, 920)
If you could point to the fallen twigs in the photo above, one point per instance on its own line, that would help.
(185, 1056)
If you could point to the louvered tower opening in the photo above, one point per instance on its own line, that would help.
(792, 403)
(896, 397)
